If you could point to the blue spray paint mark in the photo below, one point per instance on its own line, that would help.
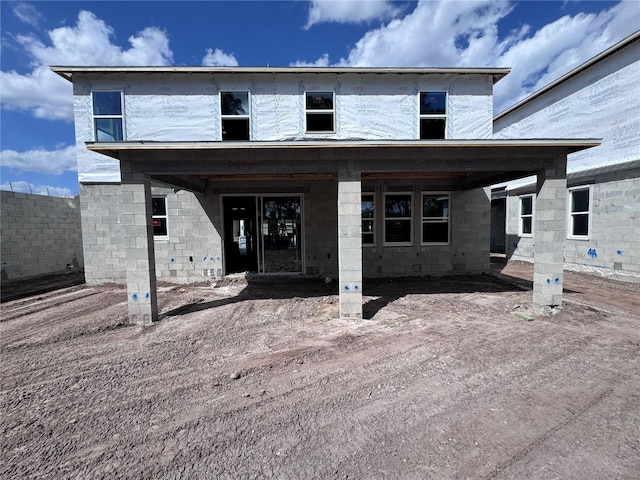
(417, 254)
(380, 257)
(592, 253)
(204, 258)
(147, 295)
(135, 297)
(346, 287)
(355, 287)
(173, 260)
(556, 280)
(619, 252)
(548, 281)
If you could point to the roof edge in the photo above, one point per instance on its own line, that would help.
(67, 72)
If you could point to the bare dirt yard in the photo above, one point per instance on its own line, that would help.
(445, 378)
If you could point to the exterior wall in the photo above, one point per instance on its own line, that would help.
(613, 247)
(187, 108)
(40, 235)
(468, 251)
(602, 101)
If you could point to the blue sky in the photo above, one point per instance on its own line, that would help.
(538, 40)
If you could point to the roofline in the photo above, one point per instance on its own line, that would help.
(67, 72)
(573, 145)
(598, 58)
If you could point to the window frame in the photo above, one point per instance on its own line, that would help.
(318, 112)
(522, 216)
(165, 217)
(424, 220)
(385, 242)
(371, 220)
(246, 116)
(571, 214)
(121, 116)
(433, 116)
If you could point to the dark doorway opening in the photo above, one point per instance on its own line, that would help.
(240, 234)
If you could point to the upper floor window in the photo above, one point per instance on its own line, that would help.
(433, 115)
(235, 115)
(579, 212)
(397, 218)
(319, 112)
(526, 216)
(159, 214)
(435, 218)
(368, 219)
(108, 118)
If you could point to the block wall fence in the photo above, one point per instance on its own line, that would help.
(40, 235)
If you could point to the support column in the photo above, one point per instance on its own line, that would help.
(548, 237)
(140, 254)
(350, 243)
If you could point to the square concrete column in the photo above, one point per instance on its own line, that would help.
(137, 226)
(548, 237)
(350, 243)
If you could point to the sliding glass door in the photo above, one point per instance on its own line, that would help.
(280, 234)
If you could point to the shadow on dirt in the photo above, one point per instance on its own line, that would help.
(385, 289)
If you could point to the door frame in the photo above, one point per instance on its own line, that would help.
(259, 240)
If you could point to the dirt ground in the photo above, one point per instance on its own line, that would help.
(447, 377)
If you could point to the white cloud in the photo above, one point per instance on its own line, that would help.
(27, 13)
(323, 61)
(349, 11)
(465, 34)
(218, 58)
(89, 42)
(53, 162)
(25, 187)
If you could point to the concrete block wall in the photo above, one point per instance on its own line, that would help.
(468, 250)
(320, 220)
(194, 233)
(613, 247)
(614, 243)
(40, 235)
(102, 235)
(471, 230)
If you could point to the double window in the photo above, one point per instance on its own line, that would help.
(108, 117)
(159, 213)
(320, 112)
(435, 218)
(368, 219)
(433, 115)
(526, 216)
(579, 213)
(235, 115)
(397, 218)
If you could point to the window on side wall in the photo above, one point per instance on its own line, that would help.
(319, 112)
(108, 118)
(579, 213)
(526, 216)
(368, 219)
(159, 213)
(433, 115)
(397, 219)
(435, 218)
(235, 116)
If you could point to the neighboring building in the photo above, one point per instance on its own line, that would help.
(41, 235)
(322, 171)
(600, 98)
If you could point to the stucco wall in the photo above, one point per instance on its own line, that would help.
(40, 235)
